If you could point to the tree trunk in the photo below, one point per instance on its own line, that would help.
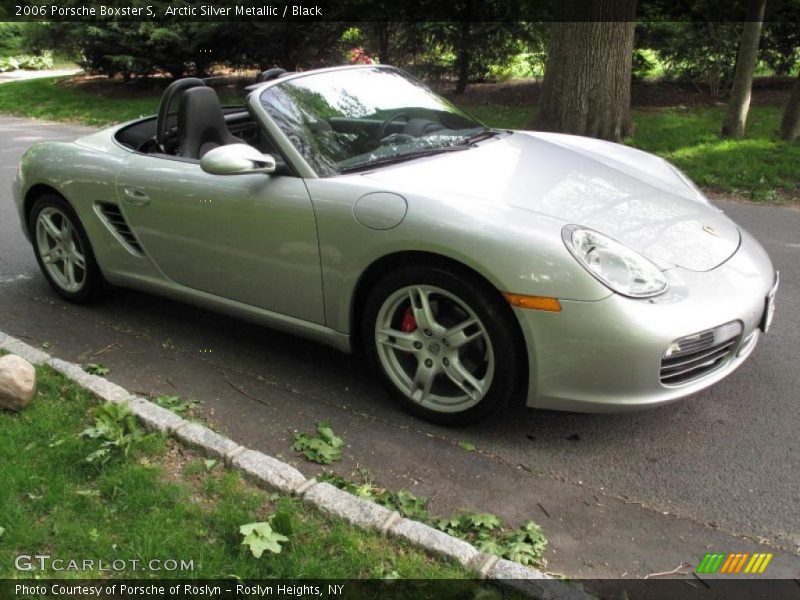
(790, 123)
(463, 56)
(739, 102)
(382, 33)
(587, 80)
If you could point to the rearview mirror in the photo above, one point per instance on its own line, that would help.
(236, 159)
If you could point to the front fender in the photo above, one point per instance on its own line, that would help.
(515, 250)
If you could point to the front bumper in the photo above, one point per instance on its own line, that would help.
(605, 356)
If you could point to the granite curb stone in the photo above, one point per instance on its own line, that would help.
(155, 417)
(269, 472)
(208, 442)
(23, 350)
(344, 505)
(434, 540)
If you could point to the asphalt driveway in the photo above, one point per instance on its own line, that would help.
(618, 495)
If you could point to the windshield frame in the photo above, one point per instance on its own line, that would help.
(292, 154)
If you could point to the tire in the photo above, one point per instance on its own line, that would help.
(63, 250)
(445, 344)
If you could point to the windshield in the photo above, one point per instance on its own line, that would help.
(353, 119)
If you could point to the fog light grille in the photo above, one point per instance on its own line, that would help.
(690, 357)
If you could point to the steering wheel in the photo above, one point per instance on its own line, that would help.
(173, 89)
(388, 121)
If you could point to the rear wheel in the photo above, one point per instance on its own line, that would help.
(63, 251)
(444, 344)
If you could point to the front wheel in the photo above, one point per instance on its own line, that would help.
(444, 344)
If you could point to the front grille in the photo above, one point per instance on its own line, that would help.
(690, 357)
(117, 223)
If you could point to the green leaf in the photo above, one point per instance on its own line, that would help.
(117, 430)
(451, 526)
(365, 490)
(325, 431)
(211, 463)
(467, 446)
(485, 521)
(97, 369)
(525, 545)
(488, 545)
(411, 506)
(94, 535)
(323, 448)
(2, 531)
(521, 552)
(260, 537)
(176, 404)
(100, 455)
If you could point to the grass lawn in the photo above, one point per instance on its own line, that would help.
(162, 502)
(45, 99)
(760, 167)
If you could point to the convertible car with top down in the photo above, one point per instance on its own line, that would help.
(469, 265)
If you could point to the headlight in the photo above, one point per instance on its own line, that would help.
(618, 267)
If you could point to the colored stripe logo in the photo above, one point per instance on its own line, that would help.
(734, 563)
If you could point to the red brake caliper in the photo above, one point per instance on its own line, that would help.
(409, 322)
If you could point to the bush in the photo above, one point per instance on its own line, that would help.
(10, 38)
(26, 61)
(523, 65)
(644, 64)
(703, 53)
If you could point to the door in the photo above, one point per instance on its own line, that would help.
(249, 238)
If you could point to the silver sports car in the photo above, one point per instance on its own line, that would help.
(356, 207)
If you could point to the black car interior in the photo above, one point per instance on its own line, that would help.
(191, 121)
(199, 124)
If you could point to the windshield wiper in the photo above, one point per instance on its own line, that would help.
(479, 137)
(396, 158)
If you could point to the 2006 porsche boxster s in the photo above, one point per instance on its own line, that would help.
(356, 207)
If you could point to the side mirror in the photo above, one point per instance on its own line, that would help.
(236, 159)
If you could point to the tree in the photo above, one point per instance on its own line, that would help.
(475, 46)
(780, 42)
(739, 102)
(587, 81)
(699, 51)
(790, 123)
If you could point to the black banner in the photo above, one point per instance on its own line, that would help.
(228, 589)
(383, 10)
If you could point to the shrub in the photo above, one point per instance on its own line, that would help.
(26, 61)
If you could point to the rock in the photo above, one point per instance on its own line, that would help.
(17, 382)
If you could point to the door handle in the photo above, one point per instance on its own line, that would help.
(135, 196)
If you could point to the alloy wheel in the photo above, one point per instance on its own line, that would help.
(434, 348)
(60, 249)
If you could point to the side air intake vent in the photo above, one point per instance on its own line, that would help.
(112, 216)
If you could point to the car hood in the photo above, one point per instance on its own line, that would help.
(632, 196)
